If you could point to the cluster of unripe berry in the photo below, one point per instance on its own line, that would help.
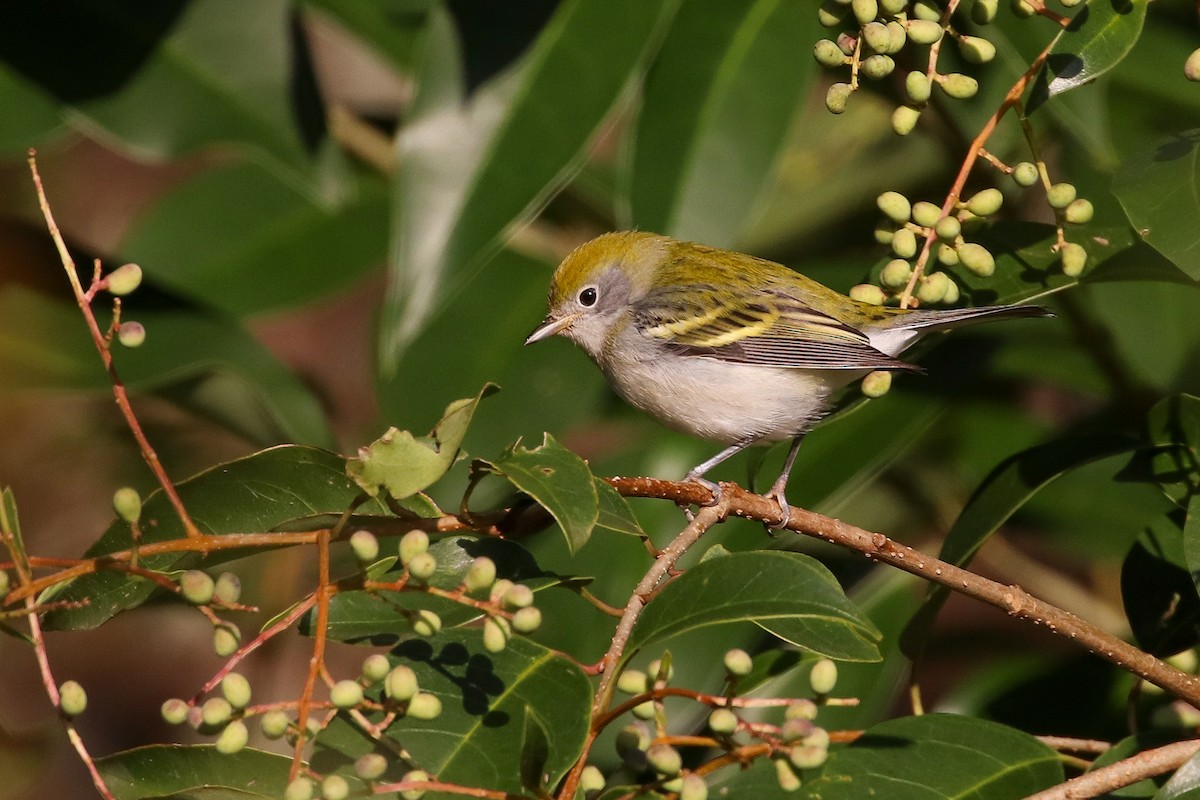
(798, 744)
(122, 281)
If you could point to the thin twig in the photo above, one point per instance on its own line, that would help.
(1145, 764)
(325, 590)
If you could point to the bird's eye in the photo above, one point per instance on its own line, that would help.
(588, 296)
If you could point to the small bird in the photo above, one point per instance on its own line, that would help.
(724, 346)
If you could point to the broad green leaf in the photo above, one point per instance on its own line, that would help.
(1191, 539)
(1173, 424)
(240, 239)
(560, 481)
(203, 360)
(32, 116)
(614, 512)
(1010, 485)
(937, 755)
(195, 771)
(1130, 747)
(392, 28)
(535, 751)
(470, 170)
(791, 595)
(1184, 784)
(404, 464)
(698, 168)
(260, 493)
(162, 80)
(478, 739)
(1159, 189)
(1099, 36)
(1158, 589)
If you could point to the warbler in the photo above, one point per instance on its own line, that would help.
(728, 347)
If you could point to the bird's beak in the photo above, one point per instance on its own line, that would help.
(550, 326)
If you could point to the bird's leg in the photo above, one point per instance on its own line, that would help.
(696, 473)
(778, 489)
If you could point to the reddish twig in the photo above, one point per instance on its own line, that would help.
(1145, 764)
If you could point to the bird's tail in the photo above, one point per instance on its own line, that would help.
(923, 320)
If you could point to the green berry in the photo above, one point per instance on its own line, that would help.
(128, 504)
(633, 681)
(1025, 174)
(867, 293)
(174, 711)
(227, 637)
(893, 7)
(877, 383)
(808, 756)
(1022, 9)
(236, 690)
(346, 694)
(375, 668)
(794, 730)
(411, 544)
(495, 635)
(916, 86)
(401, 683)
(425, 622)
(228, 588)
(932, 289)
(959, 86)
(801, 709)
(72, 698)
(335, 787)
(894, 205)
(299, 789)
(422, 566)
(895, 274)
(1074, 259)
(1079, 212)
(655, 669)
(977, 259)
(645, 710)
(984, 11)
(124, 279)
(1191, 67)
(904, 243)
(216, 711)
(591, 779)
(499, 589)
(480, 575)
(694, 788)
(824, 674)
(424, 706)
(196, 586)
(925, 31)
(527, 620)
(631, 744)
(1070, 3)
(818, 737)
(738, 663)
(723, 721)
(884, 231)
(876, 67)
(664, 759)
(364, 546)
(233, 738)
(864, 10)
(847, 43)
(131, 334)
(416, 776)
(785, 776)
(828, 54)
(1060, 195)
(947, 229)
(926, 214)
(952, 295)
(836, 97)
(370, 766)
(896, 37)
(926, 10)
(831, 14)
(976, 50)
(519, 596)
(904, 119)
(4, 582)
(986, 202)
(274, 724)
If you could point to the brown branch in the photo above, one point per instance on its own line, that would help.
(878, 547)
(1145, 764)
(325, 589)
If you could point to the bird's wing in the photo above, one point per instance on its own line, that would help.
(762, 328)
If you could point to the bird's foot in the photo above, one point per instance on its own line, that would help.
(785, 509)
(713, 487)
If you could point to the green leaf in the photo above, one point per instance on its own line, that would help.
(276, 246)
(203, 360)
(260, 493)
(1099, 36)
(938, 755)
(10, 522)
(791, 595)
(698, 169)
(1184, 784)
(162, 771)
(163, 80)
(1159, 189)
(38, 117)
(391, 27)
(404, 464)
(535, 751)
(1191, 539)
(559, 481)
(1158, 589)
(469, 171)
(1173, 424)
(614, 512)
(479, 738)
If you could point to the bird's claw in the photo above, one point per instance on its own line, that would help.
(785, 509)
(713, 487)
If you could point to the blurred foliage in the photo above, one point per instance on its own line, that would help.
(424, 164)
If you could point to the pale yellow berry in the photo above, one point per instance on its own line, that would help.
(976, 50)
(1074, 259)
(895, 274)
(894, 205)
(867, 293)
(926, 214)
(917, 86)
(932, 288)
(905, 119)
(924, 31)
(1079, 212)
(1060, 195)
(959, 86)
(836, 97)
(977, 259)
(877, 383)
(986, 202)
